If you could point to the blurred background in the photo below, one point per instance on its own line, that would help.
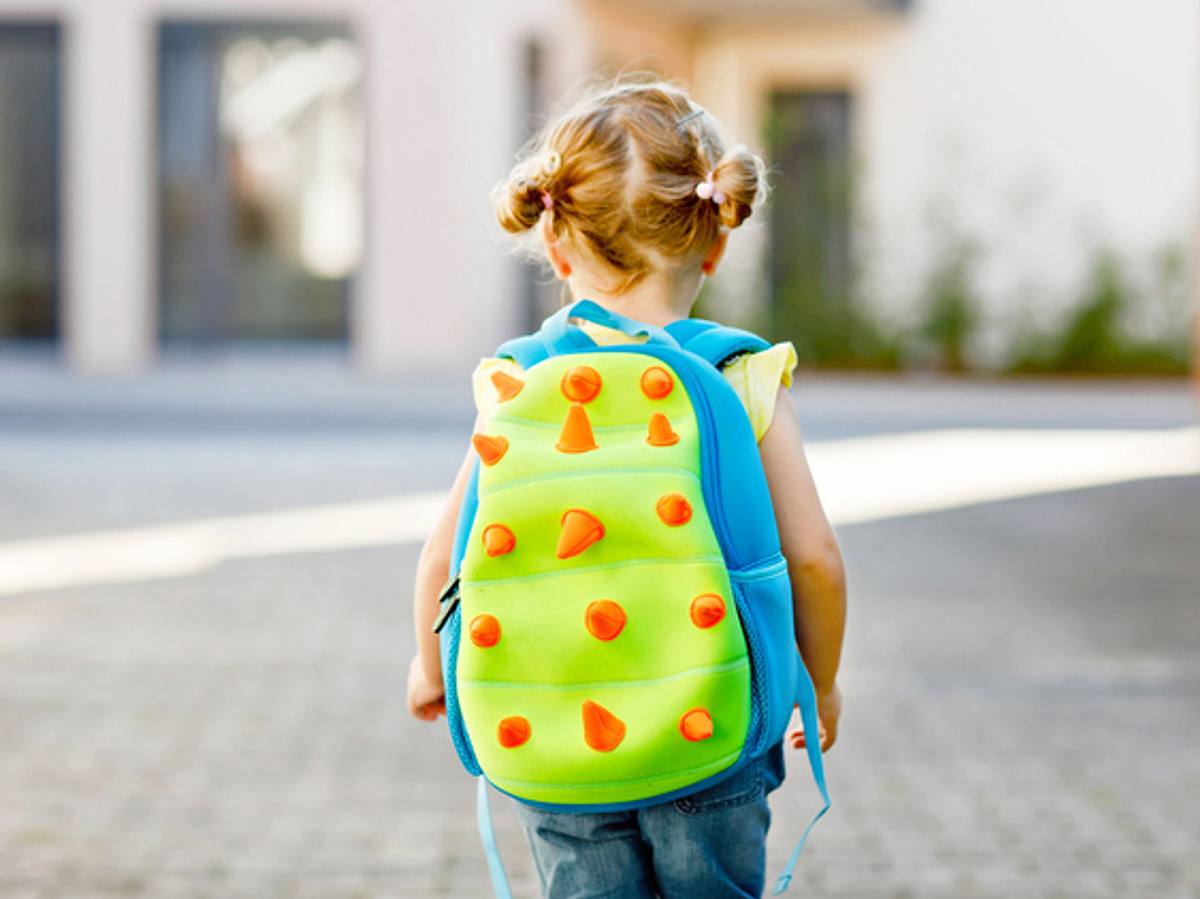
(247, 261)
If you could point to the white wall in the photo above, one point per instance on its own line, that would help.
(1044, 129)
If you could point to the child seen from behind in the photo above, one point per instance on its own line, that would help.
(633, 194)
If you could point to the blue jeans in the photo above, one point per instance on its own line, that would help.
(709, 845)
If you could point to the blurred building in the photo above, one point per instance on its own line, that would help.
(183, 173)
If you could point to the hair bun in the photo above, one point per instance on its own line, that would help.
(519, 204)
(738, 179)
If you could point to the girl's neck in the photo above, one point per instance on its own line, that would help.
(658, 299)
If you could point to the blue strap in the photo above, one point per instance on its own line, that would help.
(715, 344)
(557, 335)
(483, 815)
(806, 697)
(560, 336)
(685, 329)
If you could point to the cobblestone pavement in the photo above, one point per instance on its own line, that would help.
(1022, 714)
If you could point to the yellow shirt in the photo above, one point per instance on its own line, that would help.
(755, 377)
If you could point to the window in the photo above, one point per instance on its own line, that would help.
(29, 181)
(260, 179)
(810, 263)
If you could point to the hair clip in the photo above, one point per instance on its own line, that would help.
(706, 190)
(694, 114)
(547, 200)
(551, 163)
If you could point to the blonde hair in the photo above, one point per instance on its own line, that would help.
(617, 174)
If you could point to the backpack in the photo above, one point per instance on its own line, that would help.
(619, 630)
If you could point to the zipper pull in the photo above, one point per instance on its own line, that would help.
(448, 601)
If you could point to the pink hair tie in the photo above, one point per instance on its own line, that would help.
(547, 200)
(706, 190)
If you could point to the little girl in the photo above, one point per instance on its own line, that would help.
(633, 194)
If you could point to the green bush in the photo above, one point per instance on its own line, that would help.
(951, 313)
(1094, 339)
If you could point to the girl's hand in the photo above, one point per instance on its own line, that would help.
(829, 710)
(426, 700)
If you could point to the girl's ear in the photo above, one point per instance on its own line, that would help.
(713, 257)
(554, 252)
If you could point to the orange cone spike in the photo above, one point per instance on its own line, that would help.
(696, 725)
(580, 530)
(604, 619)
(674, 509)
(506, 385)
(485, 631)
(657, 382)
(490, 449)
(661, 433)
(576, 436)
(513, 731)
(602, 730)
(581, 384)
(707, 609)
(498, 540)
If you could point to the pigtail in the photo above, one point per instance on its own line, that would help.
(528, 192)
(738, 185)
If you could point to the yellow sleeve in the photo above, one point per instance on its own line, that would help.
(481, 382)
(755, 378)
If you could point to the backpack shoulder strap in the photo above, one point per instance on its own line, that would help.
(526, 351)
(715, 344)
(557, 335)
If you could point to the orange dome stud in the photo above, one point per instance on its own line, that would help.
(696, 725)
(602, 730)
(490, 449)
(707, 609)
(581, 384)
(506, 385)
(576, 436)
(484, 630)
(580, 530)
(605, 619)
(661, 433)
(513, 731)
(657, 382)
(674, 509)
(498, 540)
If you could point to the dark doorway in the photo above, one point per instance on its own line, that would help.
(29, 181)
(260, 181)
(810, 247)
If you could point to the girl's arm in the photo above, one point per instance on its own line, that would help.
(426, 695)
(814, 561)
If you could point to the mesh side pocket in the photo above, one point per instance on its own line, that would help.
(458, 733)
(764, 602)
(757, 732)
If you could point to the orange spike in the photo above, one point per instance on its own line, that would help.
(674, 509)
(657, 382)
(498, 540)
(707, 609)
(581, 384)
(661, 433)
(604, 619)
(490, 449)
(696, 724)
(576, 436)
(506, 385)
(580, 530)
(513, 731)
(485, 631)
(602, 730)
